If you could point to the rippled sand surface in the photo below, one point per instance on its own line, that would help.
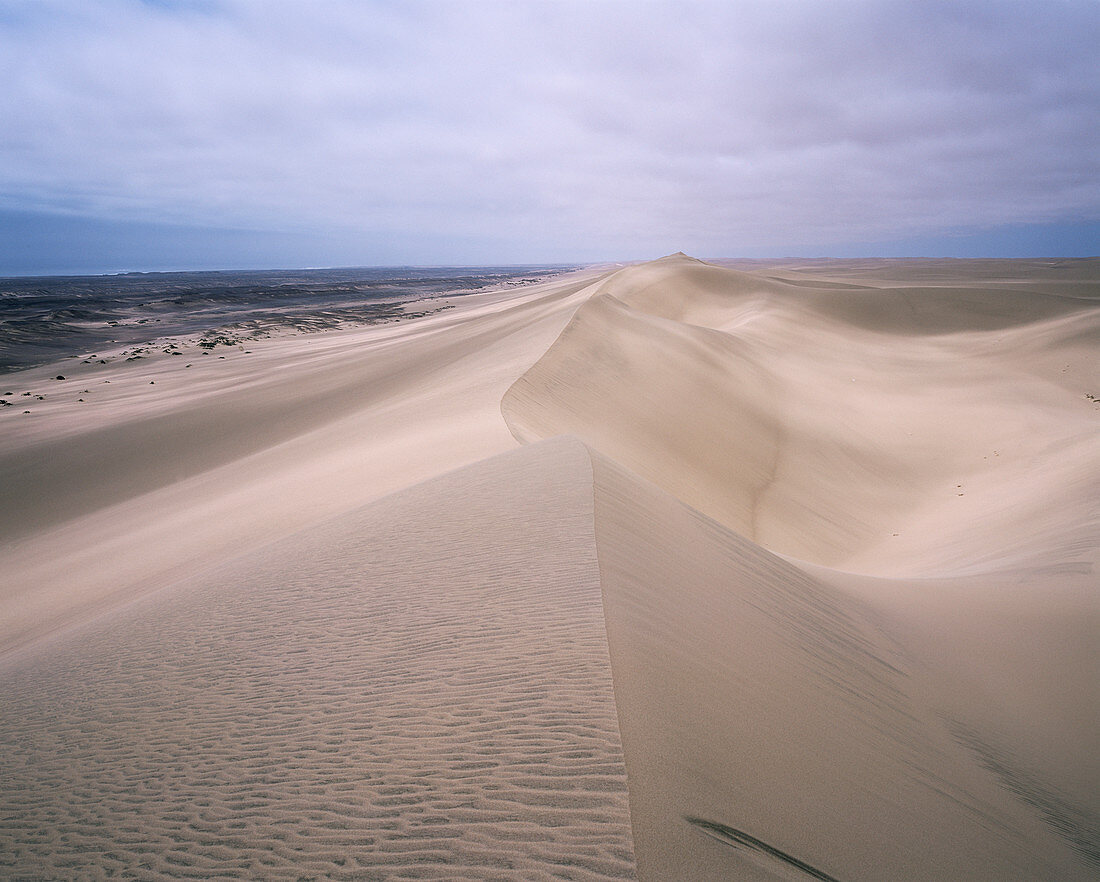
(421, 691)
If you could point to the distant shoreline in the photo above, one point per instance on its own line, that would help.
(48, 319)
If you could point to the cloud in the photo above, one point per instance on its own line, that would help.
(589, 128)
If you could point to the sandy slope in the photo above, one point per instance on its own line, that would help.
(755, 700)
(165, 469)
(820, 437)
(821, 548)
(418, 690)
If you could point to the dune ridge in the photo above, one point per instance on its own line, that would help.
(955, 464)
(146, 483)
(672, 571)
(824, 440)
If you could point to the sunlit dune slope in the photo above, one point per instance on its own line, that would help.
(418, 690)
(831, 427)
(172, 465)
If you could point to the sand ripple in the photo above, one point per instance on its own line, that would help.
(402, 697)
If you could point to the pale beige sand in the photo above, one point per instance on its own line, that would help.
(419, 690)
(827, 529)
(142, 484)
(755, 697)
(801, 419)
(939, 723)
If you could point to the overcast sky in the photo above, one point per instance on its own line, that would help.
(229, 133)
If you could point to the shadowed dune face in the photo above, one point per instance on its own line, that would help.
(775, 726)
(773, 705)
(825, 425)
(614, 377)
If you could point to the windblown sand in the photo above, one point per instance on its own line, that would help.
(677, 571)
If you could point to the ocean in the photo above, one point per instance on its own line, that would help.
(46, 318)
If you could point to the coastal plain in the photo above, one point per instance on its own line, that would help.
(679, 570)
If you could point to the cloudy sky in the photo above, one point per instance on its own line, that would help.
(154, 134)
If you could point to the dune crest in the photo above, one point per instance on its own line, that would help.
(756, 445)
(822, 439)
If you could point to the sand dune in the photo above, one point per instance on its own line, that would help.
(142, 484)
(792, 574)
(821, 439)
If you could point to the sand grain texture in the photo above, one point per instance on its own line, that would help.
(419, 691)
